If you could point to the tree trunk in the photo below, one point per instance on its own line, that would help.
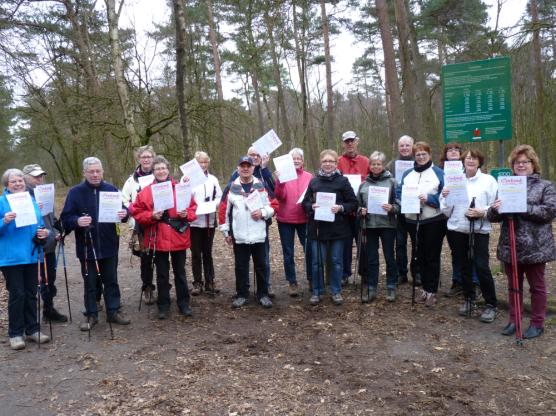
(118, 66)
(539, 87)
(392, 84)
(278, 79)
(181, 71)
(328, 64)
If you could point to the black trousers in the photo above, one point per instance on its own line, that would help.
(478, 258)
(429, 247)
(201, 254)
(48, 291)
(243, 254)
(162, 260)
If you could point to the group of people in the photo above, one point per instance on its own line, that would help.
(326, 211)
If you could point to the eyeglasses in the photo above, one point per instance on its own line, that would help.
(327, 161)
(522, 162)
(253, 154)
(160, 168)
(145, 157)
(453, 149)
(421, 154)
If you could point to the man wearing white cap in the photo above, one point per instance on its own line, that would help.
(34, 175)
(351, 163)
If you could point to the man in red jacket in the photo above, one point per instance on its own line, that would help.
(351, 163)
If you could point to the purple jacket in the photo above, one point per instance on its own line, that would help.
(533, 229)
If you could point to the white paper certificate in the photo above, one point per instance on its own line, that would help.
(183, 196)
(145, 181)
(206, 207)
(512, 191)
(109, 203)
(267, 143)
(300, 200)
(254, 201)
(194, 172)
(410, 199)
(453, 166)
(163, 196)
(325, 202)
(401, 167)
(456, 183)
(22, 204)
(354, 181)
(284, 165)
(44, 195)
(378, 196)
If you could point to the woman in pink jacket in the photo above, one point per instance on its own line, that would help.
(292, 218)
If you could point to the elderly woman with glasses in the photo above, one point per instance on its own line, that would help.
(534, 239)
(428, 227)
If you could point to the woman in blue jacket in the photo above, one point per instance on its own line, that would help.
(18, 261)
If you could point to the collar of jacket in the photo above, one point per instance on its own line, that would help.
(237, 189)
(383, 175)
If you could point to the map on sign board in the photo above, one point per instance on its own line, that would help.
(477, 101)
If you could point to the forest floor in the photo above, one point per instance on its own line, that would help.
(380, 358)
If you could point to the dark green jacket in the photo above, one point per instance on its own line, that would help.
(385, 180)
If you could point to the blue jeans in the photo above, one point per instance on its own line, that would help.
(109, 275)
(287, 238)
(348, 246)
(388, 239)
(21, 282)
(319, 255)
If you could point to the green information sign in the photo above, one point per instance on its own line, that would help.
(477, 99)
(496, 172)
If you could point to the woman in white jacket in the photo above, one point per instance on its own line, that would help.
(243, 216)
(469, 230)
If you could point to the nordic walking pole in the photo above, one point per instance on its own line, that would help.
(46, 286)
(416, 259)
(305, 268)
(95, 258)
(470, 252)
(39, 292)
(87, 279)
(515, 282)
(61, 250)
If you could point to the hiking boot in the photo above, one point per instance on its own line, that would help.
(509, 329)
(337, 299)
(533, 332)
(369, 294)
(315, 299)
(265, 302)
(431, 300)
(17, 343)
(239, 302)
(148, 296)
(38, 337)
(402, 279)
(53, 315)
(391, 296)
(197, 289)
(270, 292)
(455, 290)
(186, 311)
(119, 319)
(467, 308)
(292, 290)
(162, 315)
(88, 324)
(210, 289)
(489, 314)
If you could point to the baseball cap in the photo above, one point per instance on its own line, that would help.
(245, 159)
(349, 135)
(33, 170)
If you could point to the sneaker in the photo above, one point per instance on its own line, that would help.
(88, 324)
(53, 315)
(17, 343)
(148, 296)
(509, 329)
(337, 299)
(162, 315)
(197, 289)
(533, 332)
(489, 314)
(186, 311)
(210, 289)
(315, 299)
(270, 292)
(239, 302)
(38, 337)
(118, 318)
(292, 290)
(431, 300)
(467, 308)
(351, 280)
(402, 279)
(455, 290)
(265, 302)
(391, 296)
(421, 297)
